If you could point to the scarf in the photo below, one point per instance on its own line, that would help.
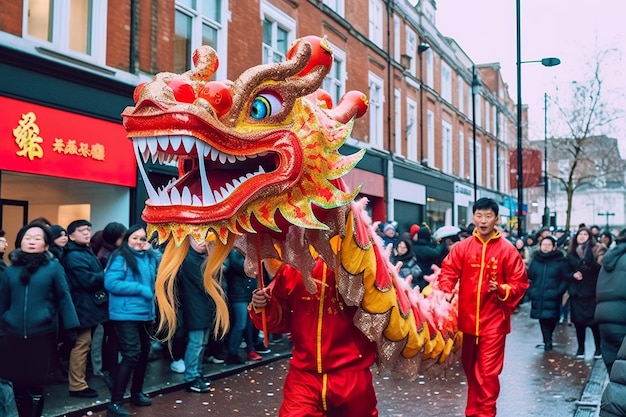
(31, 263)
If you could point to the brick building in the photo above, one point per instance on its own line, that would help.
(80, 61)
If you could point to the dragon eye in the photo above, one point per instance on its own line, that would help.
(265, 105)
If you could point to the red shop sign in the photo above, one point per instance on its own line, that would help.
(40, 140)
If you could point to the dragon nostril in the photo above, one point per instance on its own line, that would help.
(183, 91)
(218, 95)
(137, 91)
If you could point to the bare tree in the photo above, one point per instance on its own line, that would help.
(586, 156)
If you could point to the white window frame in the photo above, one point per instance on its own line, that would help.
(411, 48)
(430, 69)
(479, 162)
(281, 19)
(461, 153)
(461, 93)
(376, 13)
(430, 124)
(488, 117)
(488, 166)
(339, 58)
(337, 5)
(479, 106)
(377, 101)
(446, 147)
(198, 20)
(446, 82)
(396, 38)
(411, 129)
(397, 118)
(60, 31)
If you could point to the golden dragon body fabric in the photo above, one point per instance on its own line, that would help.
(259, 169)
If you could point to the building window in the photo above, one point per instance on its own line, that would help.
(198, 22)
(479, 105)
(336, 5)
(430, 69)
(376, 22)
(411, 129)
(446, 147)
(397, 114)
(488, 117)
(377, 100)
(279, 32)
(479, 162)
(396, 38)
(461, 153)
(446, 82)
(430, 121)
(460, 91)
(411, 47)
(488, 167)
(69, 26)
(335, 80)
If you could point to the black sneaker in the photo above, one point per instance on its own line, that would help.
(260, 348)
(140, 399)
(232, 359)
(85, 393)
(116, 410)
(206, 381)
(198, 385)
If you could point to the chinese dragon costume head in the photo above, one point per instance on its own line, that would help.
(259, 169)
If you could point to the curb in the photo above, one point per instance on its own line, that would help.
(589, 403)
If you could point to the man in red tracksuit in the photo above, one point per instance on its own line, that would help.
(329, 373)
(492, 280)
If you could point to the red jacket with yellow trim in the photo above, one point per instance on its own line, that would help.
(322, 331)
(473, 263)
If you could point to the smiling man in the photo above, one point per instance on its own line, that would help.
(492, 280)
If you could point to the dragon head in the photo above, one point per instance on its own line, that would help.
(253, 155)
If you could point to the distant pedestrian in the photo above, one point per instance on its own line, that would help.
(492, 280)
(610, 311)
(547, 273)
(410, 267)
(60, 240)
(585, 258)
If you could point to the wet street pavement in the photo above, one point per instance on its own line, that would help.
(534, 383)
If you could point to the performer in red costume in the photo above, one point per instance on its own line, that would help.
(329, 374)
(492, 280)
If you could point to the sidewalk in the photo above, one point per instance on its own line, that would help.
(534, 382)
(159, 380)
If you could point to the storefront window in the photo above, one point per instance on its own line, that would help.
(438, 213)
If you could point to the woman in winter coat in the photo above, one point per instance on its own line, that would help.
(611, 300)
(585, 259)
(613, 402)
(129, 280)
(33, 295)
(547, 273)
(404, 254)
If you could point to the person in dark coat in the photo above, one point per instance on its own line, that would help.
(239, 292)
(198, 311)
(611, 300)
(112, 236)
(425, 251)
(60, 240)
(547, 273)
(584, 258)
(410, 267)
(85, 277)
(34, 302)
(3, 247)
(613, 403)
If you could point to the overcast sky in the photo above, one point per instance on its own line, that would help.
(567, 29)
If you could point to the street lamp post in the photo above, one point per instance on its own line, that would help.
(421, 48)
(546, 209)
(607, 214)
(546, 62)
(475, 89)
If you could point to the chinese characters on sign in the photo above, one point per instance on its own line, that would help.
(28, 140)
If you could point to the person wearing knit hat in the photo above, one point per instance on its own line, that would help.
(425, 251)
(60, 240)
(413, 231)
(86, 278)
(389, 235)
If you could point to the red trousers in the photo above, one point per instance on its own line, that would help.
(337, 394)
(482, 358)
